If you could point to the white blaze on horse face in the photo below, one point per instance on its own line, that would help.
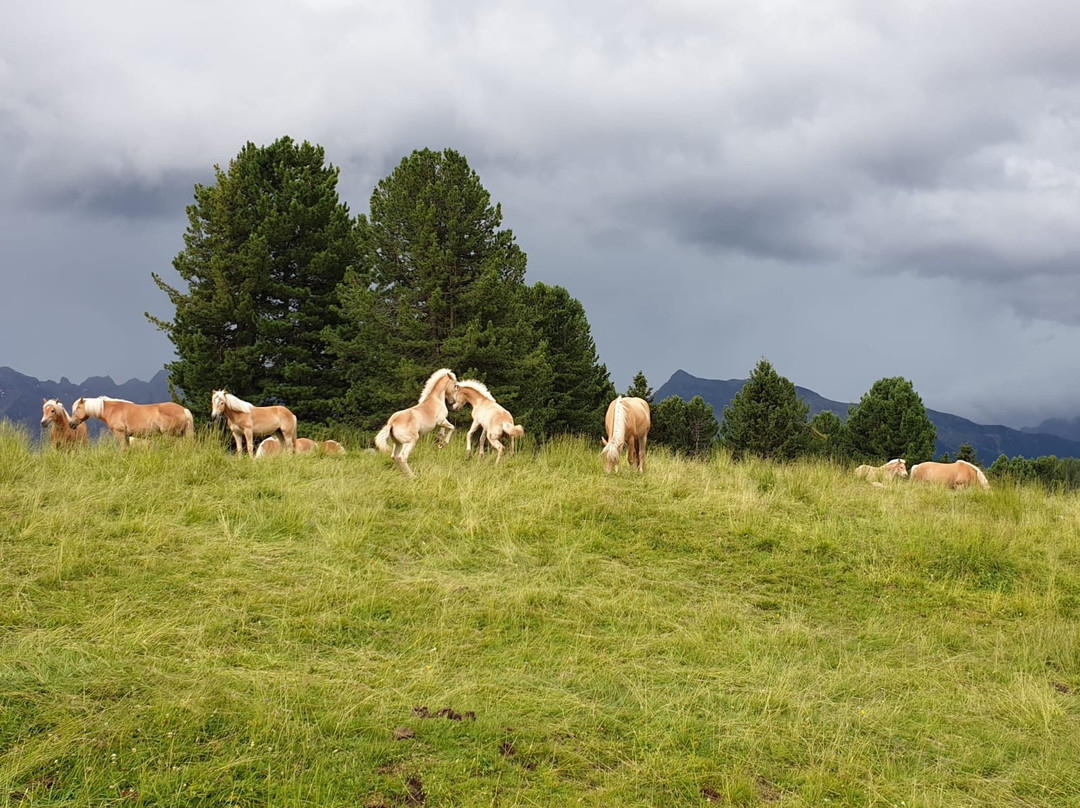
(217, 403)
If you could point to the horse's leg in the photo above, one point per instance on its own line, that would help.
(632, 452)
(250, 438)
(468, 438)
(238, 440)
(498, 447)
(447, 430)
(641, 453)
(482, 442)
(121, 436)
(402, 458)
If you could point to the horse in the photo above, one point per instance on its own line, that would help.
(403, 430)
(627, 422)
(61, 436)
(272, 446)
(126, 419)
(490, 417)
(958, 474)
(246, 421)
(885, 472)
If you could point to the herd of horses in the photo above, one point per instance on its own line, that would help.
(627, 423)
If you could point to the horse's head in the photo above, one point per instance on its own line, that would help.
(50, 411)
(610, 453)
(900, 466)
(217, 404)
(451, 392)
(78, 413)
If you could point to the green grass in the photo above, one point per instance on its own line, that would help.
(183, 627)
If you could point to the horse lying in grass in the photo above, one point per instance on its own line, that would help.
(885, 472)
(271, 446)
(627, 422)
(405, 427)
(126, 419)
(247, 422)
(959, 474)
(61, 435)
(492, 419)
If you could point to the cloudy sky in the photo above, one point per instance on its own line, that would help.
(851, 190)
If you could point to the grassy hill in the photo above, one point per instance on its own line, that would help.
(184, 627)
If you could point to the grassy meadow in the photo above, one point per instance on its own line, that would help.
(179, 626)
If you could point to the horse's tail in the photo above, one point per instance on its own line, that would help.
(618, 434)
(189, 423)
(382, 440)
(513, 430)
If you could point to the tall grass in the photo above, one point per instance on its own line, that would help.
(182, 627)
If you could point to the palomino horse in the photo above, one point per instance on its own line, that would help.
(627, 422)
(61, 436)
(246, 421)
(959, 474)
(126, 419)
(885, 472)
(272, 446)
(489, 416)
(402, 432)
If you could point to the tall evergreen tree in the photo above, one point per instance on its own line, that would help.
(890, 421)
(766, 417)
(639, 387)
(439, 284)
(580, 387)
(265, 249)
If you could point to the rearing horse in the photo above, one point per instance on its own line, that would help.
(61, 435)
(402, 432)
(489, 416)
(246, 421)
(627, 422)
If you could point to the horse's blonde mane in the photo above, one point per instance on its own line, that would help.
(234, 403)
(433, 380)
(473, 384)
(618, 431)
(95, 405)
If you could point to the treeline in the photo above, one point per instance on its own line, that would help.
(288, 298)
(768, 419)
(1055, 473)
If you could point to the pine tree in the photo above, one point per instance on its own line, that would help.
(766, 417)
(890, 421)
(265, 249)
(639, 388)
(438, 284)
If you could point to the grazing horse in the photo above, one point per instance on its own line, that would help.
(126, 419)
(272, 446)
(246, 421)
(627, 422)
(490, 417)
(61, 436)
(959, 474)
(885, 472)
(402, 432)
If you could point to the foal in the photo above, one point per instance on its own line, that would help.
(61, 435)
(489, 416)
(402, 432)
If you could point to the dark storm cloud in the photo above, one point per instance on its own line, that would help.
(715, 183)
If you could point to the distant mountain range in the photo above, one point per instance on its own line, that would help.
(21, 396)
(1058, 437)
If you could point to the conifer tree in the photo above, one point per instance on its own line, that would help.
(688, 428)
(890, 421)
(639, 388)
(265, 249)
(766, 417)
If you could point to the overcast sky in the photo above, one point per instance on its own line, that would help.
(851, 190)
